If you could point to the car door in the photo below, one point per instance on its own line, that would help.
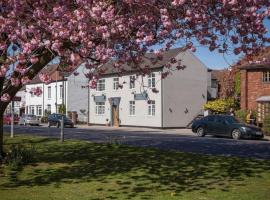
(220, 126)
(210, 124)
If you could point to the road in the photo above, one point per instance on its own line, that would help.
(181, 140)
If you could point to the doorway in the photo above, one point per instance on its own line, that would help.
(115, 116)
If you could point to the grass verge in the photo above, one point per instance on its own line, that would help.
(81, 170)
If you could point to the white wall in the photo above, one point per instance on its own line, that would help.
(184, 92)
(43, 100)
(141, 117)
(77, 96)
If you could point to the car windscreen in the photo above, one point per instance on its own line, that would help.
(30, 117)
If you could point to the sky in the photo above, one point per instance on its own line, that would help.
(215, 60)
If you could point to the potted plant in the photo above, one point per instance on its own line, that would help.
(107, 122)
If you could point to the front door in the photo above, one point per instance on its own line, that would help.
(115, 115)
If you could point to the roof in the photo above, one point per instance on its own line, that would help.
(150, 59)
(261, 60)
(53, 71)
(263, 99)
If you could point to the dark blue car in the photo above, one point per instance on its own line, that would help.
(55, 120)
(225, 125)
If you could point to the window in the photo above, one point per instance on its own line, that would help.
(32, 93)
(100, 108)
(152, 80)
(151, 108)
(49, 109)
(132, 108)
(61, 91)
(266, 76)
(263, 110)
(115, 83)
(49, 92)
(101, 85)
(32, 110)
(132, 82)
(39, 110)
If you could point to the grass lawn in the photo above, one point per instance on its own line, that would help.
(80, 170)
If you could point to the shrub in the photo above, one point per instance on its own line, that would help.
(242, 114)
(18, 155)
(266, 125)
(220, 105)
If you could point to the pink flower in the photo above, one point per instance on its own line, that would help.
(45, 78)
(5, 97)
(34, 59)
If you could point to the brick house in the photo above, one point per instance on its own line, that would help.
(255, 86)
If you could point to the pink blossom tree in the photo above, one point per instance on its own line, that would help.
(94, 31)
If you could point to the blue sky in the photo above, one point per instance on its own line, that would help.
(215, 60)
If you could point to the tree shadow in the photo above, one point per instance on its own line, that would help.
(135, 170)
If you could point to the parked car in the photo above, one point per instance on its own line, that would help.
(225, 125)
(7, 119)
(29, 120)
(55, 120)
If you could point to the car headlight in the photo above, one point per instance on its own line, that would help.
(246, 129)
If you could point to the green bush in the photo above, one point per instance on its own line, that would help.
(18, 155)
(241, 115)
(220, 105)
(62, 109)
(266, 125)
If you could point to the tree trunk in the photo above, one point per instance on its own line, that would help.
(2, 154)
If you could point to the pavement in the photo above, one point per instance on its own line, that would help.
(172, 139)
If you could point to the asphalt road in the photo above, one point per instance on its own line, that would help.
(163, 139)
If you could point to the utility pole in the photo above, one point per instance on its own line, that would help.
(62, 129)
(12, 120)
(14, 48)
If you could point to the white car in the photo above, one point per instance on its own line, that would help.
(29, 120)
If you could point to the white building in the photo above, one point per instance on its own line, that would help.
(61, 91)
(151, 101)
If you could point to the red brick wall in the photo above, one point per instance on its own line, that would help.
(254, 88)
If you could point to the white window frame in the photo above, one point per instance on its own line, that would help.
(132, 108)
(100, 108)
(49, 108)
(61, 92)
(151, 108)
(39, 110)
(100, 85)
(32, 110)
(132, 82)
(49, 92)
(266, 76)
(152, 80)
(115, 83)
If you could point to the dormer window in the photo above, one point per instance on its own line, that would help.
(266, 76)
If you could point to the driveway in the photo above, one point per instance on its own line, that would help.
(180, 140)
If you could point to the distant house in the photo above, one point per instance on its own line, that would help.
(150, 101)
(65, 89)
(212, 85)
(19, 103)
(255, 85)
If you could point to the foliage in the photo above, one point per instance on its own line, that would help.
(266, 125)
(237, 83)
(62, 109)
(18, 155)
(220, 105)
(241, 115)
(101, 171)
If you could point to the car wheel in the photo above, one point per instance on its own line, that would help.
(236, 134)
(200, 132)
